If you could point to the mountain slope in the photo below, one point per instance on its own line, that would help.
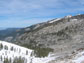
(64, 35)
(67, 31)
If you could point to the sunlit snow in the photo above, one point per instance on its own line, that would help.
(12, 51)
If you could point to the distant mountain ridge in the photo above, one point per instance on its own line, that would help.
(7, 32)
(2, 28)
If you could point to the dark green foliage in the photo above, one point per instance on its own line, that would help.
(42, 52)
(6, 47)
(6, 60)
(1, 58)
(1, 46)
(39, 51)
(59, 33)
(16, 60)
(11, 48)
(19, 60)
(26, 52)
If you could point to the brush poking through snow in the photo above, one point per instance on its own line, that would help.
(13, 52)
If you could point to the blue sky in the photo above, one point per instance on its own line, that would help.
(23, 13)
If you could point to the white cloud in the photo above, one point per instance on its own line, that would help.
(18, 10)
(37, 6)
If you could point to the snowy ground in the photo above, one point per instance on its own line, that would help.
(8, 50)
(55, 20)
(79, 58)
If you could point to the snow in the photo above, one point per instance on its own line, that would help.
(21, 51)
(55, 20)
(69, 16)
(78, 14)
(52, 21)
(79, 57)
(74, 19)
(79, 60)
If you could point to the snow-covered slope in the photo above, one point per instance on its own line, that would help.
(79, 58)
(12, 53)
(52, 21)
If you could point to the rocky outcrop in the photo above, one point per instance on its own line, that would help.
(67, 30)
